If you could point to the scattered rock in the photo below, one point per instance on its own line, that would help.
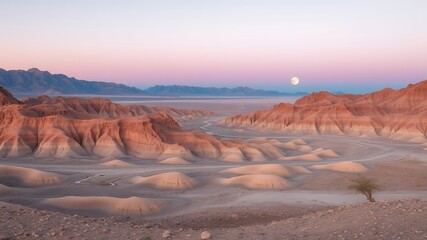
(361, 221)
(166, 234)
(205, 235)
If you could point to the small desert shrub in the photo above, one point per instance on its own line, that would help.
(365, 186)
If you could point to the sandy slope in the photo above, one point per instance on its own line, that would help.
(269, 169)
(167, 181)
(117, 163)
(329, 153)
(175, 160)
(256, 181)
(382, 220)
(304, 157)
(20, 176)
(347, 166)
(111, 205)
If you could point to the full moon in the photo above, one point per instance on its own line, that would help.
(295, 81)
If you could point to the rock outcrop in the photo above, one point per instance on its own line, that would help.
(74, 128)
(6, 98)
(398, 114)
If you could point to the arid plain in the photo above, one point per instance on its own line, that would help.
(207, 168)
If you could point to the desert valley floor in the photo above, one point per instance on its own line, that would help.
(302, 177)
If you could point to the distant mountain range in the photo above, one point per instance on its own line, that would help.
(177, 90)
(35, 81)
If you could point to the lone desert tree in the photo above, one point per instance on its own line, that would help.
(365, 186)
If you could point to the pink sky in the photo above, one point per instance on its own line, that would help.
(351, 46)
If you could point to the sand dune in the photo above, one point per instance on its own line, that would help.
(110, 205)
(268, 169)
(298, 142)
(304, 157)
(175, 160)
(305, 148)
(19, 176)
(261, 182)
(325, 153)
(347, 166)
(117, 163)
(167, 181)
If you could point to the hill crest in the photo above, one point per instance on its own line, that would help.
(35, 81)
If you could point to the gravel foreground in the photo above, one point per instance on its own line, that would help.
(405, 219)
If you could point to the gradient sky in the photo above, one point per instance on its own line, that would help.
(335, 45)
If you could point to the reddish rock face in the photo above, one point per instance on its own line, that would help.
(6, 98)
(73, 127)
(399, 114)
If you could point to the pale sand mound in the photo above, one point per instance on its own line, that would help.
(111, 205)
(305, 157)
(20, 176)
(305, 148)
(4, 189)
(253, 154)
(175, 160)
(298, 142)
(347, 166)
(259, 140)
(262, 182)
(325, 153)
(168, 181)
(232, 154)
(117, 163)
(234, 158)
(269, 169)
(288, 145)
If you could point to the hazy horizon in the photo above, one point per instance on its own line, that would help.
(351, 46)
